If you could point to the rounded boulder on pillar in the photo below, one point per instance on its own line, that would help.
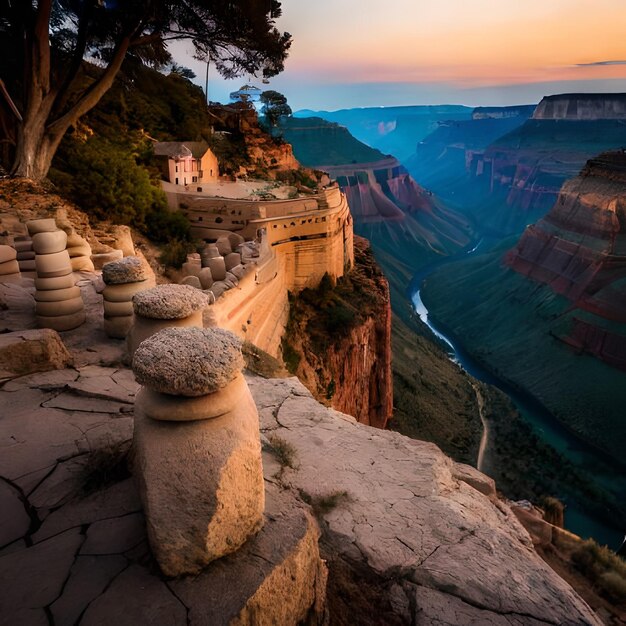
(198, 454)
(123, 278)
(162, 307)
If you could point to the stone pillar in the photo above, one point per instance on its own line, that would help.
(9, 267)
(79, 250)
(23, 244)
(196, 441)
(124, 278)
(59, 304)
(164, 306)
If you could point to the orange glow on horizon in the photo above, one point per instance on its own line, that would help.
(484, 43)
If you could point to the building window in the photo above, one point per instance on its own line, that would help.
(177, 180)
(177, 168)
(194, 179)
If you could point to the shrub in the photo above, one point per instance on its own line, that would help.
(291, 357)
(162, 226)
(284, 452)
(105, 467)
(553, 511)
(603, 568)
(614, 586)
(106, 181)
(322, 504)
(174, 253)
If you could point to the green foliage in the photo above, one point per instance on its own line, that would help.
(603, 567)
(274, 107)
(291, 357)
(174, 253)
(163, 226)
(106, 181)
(231, 152)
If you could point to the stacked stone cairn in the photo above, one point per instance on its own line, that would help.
(164, 306)
(9, 267)
(79, 250)
(59, 304)
(23, 244)
(123, 278)
(198, 454)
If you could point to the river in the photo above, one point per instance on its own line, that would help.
(588, 459)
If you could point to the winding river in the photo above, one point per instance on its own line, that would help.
(588, 459)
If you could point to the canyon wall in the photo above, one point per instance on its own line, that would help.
(579, 251)
(338, 341)
(505, 171)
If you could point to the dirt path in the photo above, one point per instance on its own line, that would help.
(485, 436)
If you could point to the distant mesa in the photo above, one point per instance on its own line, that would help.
(582, 106)
(500, 113)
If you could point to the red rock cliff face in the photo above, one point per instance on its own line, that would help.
(579, 250)
(384, 194)
(339, 342)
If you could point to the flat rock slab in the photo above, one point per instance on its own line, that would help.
(88, 578)
(407, 508)
(108, 384)
(33, 578)
(72, 402)
(46, 381)
(116, 501)
(14, 520)
(115, 536)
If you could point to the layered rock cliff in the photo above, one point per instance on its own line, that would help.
(338, 341)
(579, 250)
(582, 106)
(505, 171)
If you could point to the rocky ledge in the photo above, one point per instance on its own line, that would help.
(432, 534)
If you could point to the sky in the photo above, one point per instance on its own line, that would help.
(357, 53)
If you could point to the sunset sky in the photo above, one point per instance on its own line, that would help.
(350, 53)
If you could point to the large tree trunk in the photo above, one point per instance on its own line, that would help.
(35, 147)
(42, 128)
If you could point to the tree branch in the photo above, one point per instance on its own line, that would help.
(92, 95)
(77, 56)
(9, 101)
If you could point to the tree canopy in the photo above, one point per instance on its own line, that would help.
(274, 107)
(44, 44)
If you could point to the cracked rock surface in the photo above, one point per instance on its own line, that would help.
(72, 552)
(408, 514)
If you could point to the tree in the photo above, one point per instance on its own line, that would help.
(274, 107)
(46, 84)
